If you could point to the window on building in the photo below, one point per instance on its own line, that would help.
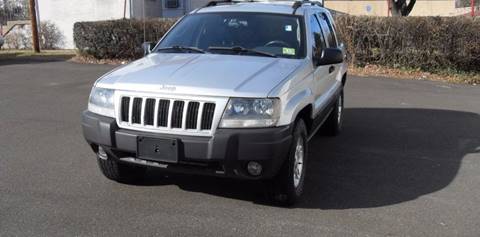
(172, 3)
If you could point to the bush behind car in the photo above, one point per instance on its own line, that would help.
(428, 43)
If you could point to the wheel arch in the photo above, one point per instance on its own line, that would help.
(344, 79)
(306, 115)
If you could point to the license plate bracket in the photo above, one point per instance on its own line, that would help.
(158, 149)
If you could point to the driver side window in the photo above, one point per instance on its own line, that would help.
(316, 31)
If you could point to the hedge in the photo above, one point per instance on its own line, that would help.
(428, 43)
(117, 39)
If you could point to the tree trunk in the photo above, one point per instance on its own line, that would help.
(401, 8)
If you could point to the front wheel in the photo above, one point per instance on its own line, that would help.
(120, 172)
(288, 184)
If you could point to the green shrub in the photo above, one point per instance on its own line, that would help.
(117, 39)
(427, 43)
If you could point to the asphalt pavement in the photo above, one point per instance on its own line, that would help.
(406, 164)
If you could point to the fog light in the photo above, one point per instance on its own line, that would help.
(254, 168)
(102, 154)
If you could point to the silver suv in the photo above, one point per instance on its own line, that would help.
(234, 89)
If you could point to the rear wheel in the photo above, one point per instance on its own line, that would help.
(333, 125)
(288, 184)
(120, 172)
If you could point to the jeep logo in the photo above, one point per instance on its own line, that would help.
(167, 88)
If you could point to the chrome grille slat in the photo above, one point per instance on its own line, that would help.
(170, 109)
(130, 108)
(142, 112)
(155, 113)
(199, 116)
(184, 114)
(180, 115)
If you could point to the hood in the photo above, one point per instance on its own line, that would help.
(202, 74)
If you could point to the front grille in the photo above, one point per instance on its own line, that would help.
(207, 116)
(163, 106)
(192, 115)
(177, 114)
(164, 113)
(137, 110)
(149, 115)
(125, 109)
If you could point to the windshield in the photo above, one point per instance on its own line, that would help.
(238, 33)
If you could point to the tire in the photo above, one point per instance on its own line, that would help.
(334, 122)
(120, 172)
(288, 184)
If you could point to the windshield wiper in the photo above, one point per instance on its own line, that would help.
(182, 48)
(239, 49)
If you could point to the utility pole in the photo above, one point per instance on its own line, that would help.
(33, 18)
(472, 3)
(125, 9)
(389, 5)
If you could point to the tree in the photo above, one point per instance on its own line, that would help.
(12, 10)
(401, 7)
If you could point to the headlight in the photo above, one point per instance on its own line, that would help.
(101, 102)
(244, 113)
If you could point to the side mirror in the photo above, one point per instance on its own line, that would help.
(329, 56)
(147, 48)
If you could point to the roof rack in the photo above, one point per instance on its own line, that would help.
(216, 3)
(298, 4)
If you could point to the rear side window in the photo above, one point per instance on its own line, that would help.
(316, 31)
(329, 30)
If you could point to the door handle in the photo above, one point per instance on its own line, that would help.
(331, 69)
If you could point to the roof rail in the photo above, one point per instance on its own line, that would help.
(298, 4)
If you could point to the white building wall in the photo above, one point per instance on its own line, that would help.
(147, 8)
(194, 4)
(64, 13)
(175, 12)
(186, 6)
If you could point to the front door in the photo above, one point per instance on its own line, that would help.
(322, 76)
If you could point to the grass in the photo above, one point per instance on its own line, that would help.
(30, 53)
(450, 76)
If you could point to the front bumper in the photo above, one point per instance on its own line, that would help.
(225, 154)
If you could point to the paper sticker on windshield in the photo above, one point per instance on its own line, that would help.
(288, 28)
(289, 51)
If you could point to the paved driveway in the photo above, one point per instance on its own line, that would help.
(407, 164)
